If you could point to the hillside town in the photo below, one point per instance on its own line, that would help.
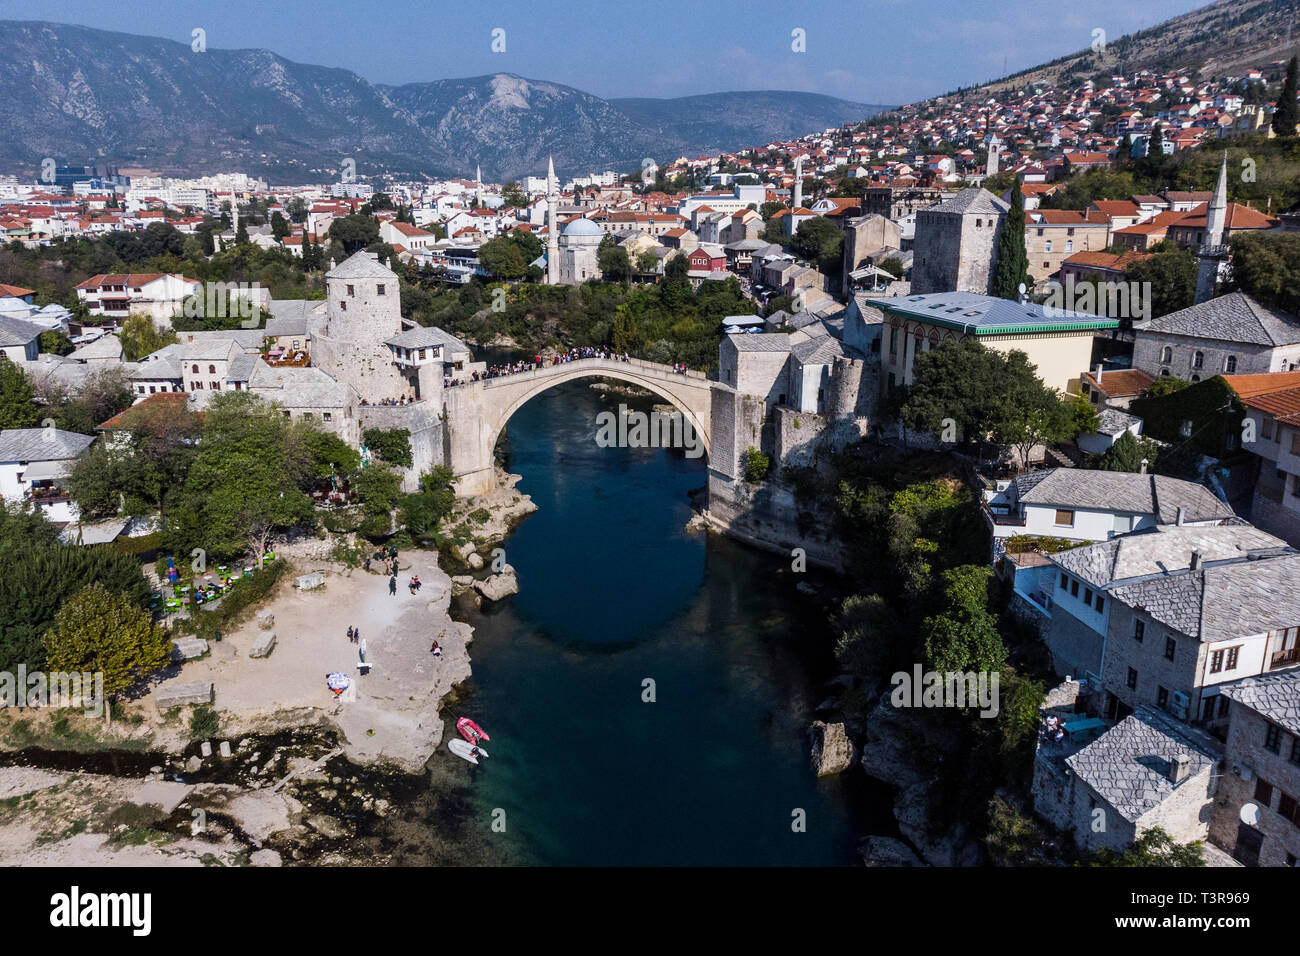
(1138, 488)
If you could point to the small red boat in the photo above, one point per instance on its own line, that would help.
(471, 731)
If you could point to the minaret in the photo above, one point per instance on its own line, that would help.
(234, 215)
(552, 225)
(995, 156)
(798, 184)
(1210, 257)
(478, 186)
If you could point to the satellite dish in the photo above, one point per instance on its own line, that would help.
(1022, 288)
(1250, 814)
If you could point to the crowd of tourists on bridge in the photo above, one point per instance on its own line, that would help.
(540, 361)
(404, 400)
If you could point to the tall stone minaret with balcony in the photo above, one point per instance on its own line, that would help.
(552, 225)
(1213, 252)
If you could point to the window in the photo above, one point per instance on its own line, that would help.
(343, 306)
(1162, 697)
(307, 415)
(380, 289)
(1264, 792)
(1139, 630)
(1166, 355)
(1223, 706)
(1069, 245)
(196, 385)
(1266, 428)
(1171, 646)
(1273, 738)
(350, 292)
(1232, 363)
(422, 351)
(1198, 360)
(1288, 808)
(194, 369)
(1233, 654)
(1295, 749)
(1065, 518)
(1074, 589)
(1216, 662)
(1132, 680)
(1065, 582)
(215, 386)
(1101, 603)
(1047, 246)
(1087, 596)
(329, 417)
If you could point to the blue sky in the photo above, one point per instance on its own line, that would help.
(875, 51)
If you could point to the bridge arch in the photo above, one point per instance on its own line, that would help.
(482, 410)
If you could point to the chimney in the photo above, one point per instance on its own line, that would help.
(1179, 767)
(1097, 374)
(1196, 561)
(1144, 467)
(1182, 516)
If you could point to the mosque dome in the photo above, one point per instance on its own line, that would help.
(582, 227)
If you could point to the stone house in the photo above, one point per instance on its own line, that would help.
(1053, 235)
(1262, 773)
(1272, 404)
(1232, 334)
(1147, 771)
(1166, 617)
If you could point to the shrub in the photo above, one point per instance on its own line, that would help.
(755, 465)
(204, 723)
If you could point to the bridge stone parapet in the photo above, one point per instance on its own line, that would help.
(476, 412)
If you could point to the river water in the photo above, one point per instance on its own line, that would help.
(618, 603)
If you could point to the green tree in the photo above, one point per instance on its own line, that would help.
(1128, 454)
(279, 227)
(1287, 114)
(1155, 847)
(54, 342)
(1266, 266)
(100, 632)
(512, 194)
(245, 483)
(140, 336)
(1171, 273)
(755, 465)
(963, 636)
(354, 232)
(502, 258)
(614, 264)
(1011, 267)
(17, 397)
(393, 445)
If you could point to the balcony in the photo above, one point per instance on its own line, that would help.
(1004, 516)
(1284, 658)
(46, 494)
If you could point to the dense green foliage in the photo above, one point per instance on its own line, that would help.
(40, 574)
(393, 445)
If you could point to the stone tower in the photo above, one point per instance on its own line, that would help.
(363, 311)
(1213, 252)
(956, 242)
(798, 184)
(552, 225)
(478, 186)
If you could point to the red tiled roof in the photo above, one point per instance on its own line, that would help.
(1119, 382)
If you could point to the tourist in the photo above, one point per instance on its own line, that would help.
(436, 649)
(392, 585)
(349, 635)
(356, 635)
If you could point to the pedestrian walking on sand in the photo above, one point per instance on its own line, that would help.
(392, 584)
(349, 635)
(356, 635)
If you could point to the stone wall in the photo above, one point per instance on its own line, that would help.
(1251, 359)
(766, 516)
(952, 253)
(421, 420)
(1245, 748)
(1275, 519)
(1075, 647)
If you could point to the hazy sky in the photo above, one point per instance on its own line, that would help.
(874, 51)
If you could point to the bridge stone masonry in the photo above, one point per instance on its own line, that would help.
(476, 412)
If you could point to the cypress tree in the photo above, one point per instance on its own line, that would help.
(1287, 114)
(1012, 264)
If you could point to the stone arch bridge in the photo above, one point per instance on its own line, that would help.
(476, 412)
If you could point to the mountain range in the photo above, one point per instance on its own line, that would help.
(81, 95)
